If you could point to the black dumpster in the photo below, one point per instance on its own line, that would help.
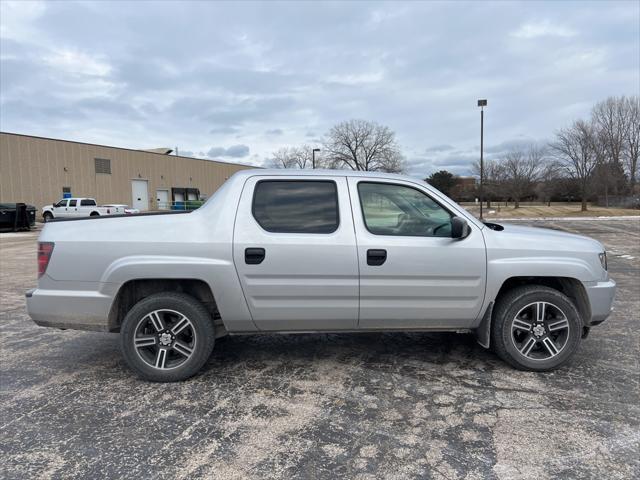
(17, 216)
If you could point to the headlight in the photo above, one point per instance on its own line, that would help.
(603, 259)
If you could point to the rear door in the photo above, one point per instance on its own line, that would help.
(412, 273)
(87, 205)
(295, 253)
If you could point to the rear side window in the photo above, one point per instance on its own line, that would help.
(296, 206)
(87, 203)
(72, 203)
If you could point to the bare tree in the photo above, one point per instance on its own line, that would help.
(549, 181)
(632, 150)
(362, 145)
(292, 157)
(492, 181)
(610, 122)
(575, 148)
(521, 170)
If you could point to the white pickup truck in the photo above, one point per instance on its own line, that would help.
(321, 251)
(77, 207)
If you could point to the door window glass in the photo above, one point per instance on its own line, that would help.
(61, 203)
(87, 203)
(390, 209)
(296, 206)
(72, 203)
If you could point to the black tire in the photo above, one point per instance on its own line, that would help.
(139, 319)
(47, 217)
(505, 332)
(94, 214)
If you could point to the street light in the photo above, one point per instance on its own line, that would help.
(481, 103)
(313, 157)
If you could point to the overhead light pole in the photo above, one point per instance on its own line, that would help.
(481, 103)
(313, 157)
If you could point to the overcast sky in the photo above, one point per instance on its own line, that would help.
(236, 81)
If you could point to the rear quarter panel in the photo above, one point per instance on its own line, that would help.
(108, 252)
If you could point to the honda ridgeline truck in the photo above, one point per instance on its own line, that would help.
(318, 251)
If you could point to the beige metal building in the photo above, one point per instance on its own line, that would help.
(39, 171)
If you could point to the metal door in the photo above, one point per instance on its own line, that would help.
(297, 281)
(140, 195)
(162, 197)
(417, 281)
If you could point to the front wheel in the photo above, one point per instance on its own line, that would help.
(536, 328)
(167, 337)
(47, 216)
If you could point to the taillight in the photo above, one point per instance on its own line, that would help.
(45, 249)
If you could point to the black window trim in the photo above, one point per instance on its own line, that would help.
(270, 180)
(364, 219)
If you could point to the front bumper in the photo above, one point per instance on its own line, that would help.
(601, 296)
(77, 309)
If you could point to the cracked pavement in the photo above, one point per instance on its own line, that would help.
(363, 406)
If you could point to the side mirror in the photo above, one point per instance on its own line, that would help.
(459, 227)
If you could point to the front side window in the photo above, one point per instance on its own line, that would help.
(296, 206)
(61, 203)
(390, 209)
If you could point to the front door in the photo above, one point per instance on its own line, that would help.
(140, 195)
(295, 253)
(61, 209)
(412, 273)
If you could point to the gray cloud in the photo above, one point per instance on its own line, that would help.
(224, 129)
(132, 77)
(439, 148)
(507, 145)
(235, 151)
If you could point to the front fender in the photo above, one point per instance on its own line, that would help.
(500, 270)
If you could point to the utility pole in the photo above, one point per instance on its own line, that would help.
(313, 157)
(481, 104)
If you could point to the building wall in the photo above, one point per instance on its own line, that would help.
(34, 170)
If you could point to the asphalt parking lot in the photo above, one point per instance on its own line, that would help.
(322, 406)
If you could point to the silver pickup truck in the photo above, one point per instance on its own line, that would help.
(318, 251)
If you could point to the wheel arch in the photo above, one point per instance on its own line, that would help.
(132, 291)
(571, 287)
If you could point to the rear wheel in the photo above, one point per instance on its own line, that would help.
(536, 328)
(167, 337)
(94, 214)
(47, 216)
